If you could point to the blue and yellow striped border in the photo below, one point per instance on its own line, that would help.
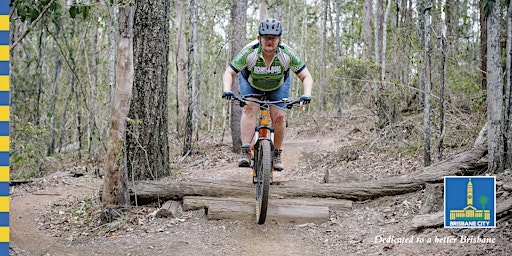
(4, 127)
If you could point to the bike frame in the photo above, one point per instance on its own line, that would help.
(262, 163)
(263, 131)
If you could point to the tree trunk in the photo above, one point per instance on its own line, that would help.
(427, 159)
(262, 8)
(494, 89)
(384, 40)
(367, 30)
(192, 78)
(462, 164)
(337, 28)
(92, 148)
(115, 185)
(321, 84)
(483, 42)
(113, 48)
(238, 40)
(442, 103)
(508, 92)
(53, 95)
(421, 44)
(244, 211)
(181, 68)
(147, 145)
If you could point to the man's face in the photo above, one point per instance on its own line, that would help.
(269, 43)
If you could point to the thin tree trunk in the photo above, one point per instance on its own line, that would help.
(321, 82)
(237, 35)
(427, 159)
(262, 8)
(442, 103)
(181, 68)
(338, 27)
(494, 90)
(483, 42)
(53, 95)
(367, 29)
(112, 48)
(377, 30)
(421, 43)
(115, 190)
(384, 41)
(39, 68)
(192, 78)
(91, 147)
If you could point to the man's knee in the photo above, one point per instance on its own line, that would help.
(279, 119)
(250, 110)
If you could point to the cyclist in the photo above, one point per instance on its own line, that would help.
(264, 66)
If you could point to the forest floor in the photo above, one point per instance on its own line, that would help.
(59, 214)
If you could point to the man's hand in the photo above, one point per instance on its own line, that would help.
(228, 95)
(305, 99)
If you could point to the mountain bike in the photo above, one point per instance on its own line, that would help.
(262, 150)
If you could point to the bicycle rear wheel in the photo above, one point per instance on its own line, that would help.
(263, 163)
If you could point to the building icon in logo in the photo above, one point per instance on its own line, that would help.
(470, 202)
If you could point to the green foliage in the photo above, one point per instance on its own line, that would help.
(31, 9)
(28, 152)
(79, 8)
(355, 68)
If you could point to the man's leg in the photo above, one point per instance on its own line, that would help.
(247, 122)
(278, 117)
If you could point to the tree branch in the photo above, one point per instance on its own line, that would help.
(13, 46)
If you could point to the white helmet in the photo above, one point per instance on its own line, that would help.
(270, 27)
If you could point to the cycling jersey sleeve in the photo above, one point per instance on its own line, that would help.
(240, 62)
(296, 63)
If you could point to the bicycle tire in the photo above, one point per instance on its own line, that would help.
(264, 168)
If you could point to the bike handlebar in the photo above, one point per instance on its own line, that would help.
(244, 99)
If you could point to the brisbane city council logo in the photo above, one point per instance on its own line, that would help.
(470, 202)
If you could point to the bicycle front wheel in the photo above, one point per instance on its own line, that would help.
(263, 163)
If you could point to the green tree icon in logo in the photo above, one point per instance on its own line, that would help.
(483, 201)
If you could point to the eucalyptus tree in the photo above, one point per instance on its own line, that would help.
(427, 158)
(192, 79)
(508, 90)
(237, 36)
(147, 145)
(494, 88)
(115, 185)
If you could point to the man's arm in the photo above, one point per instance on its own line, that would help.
(227, 78)
(307, 81)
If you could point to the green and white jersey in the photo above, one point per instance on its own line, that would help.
(250, 62)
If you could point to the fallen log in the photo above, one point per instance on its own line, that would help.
(298, 214)
(200, 202)
(150, 191)
(461, 164)
(434, 220)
